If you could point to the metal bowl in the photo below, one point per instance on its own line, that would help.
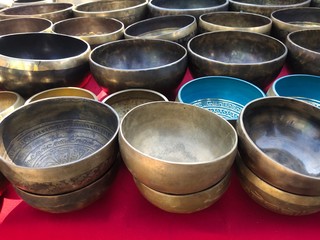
(52, 11)
(303, 51)
(9, 102)
(128, 12)
(222, 21)
(187, 203)
(191, 7)
(154, 64)
(34, 62)
(237, 54)
(176, 148)
(279, 141)
(178, 28)
(265, 7)
(93, 30)
(58, 145)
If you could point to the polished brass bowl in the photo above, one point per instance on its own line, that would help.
(222, 21)
(304, 52)
(34, 62)
(237, 54)
(23, 25)
(275, 199)
(52, 11)
(154, 64)
(279, 141)
(9, 102)
(185, 203)
(176, 148)
(191, 7)
(178, 28)
(93, 30)
(265, 7)
(128, 12)
(58, 145)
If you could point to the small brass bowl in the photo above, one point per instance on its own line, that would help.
(222, 21)
(9, 102)
(176, 148)
(279, 141)
(93, 30)
(187, 203)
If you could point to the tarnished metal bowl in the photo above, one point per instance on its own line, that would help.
(34, 62)
(9, 102)
(186, 203)
(176, 148)
(178, 28)
(128, 12)
(279, 141)
(23, 25)
(93, 30)
(58, 145)
(222, 21)
(237, 54)
(154, 64)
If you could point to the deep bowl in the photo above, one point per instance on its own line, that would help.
(225, 96)
(176, 148)
(34, 62)
(154, 64)
(58, 145)
(9, 102)
(237, 54)
(279, 141)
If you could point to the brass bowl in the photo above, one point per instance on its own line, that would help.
(265, 7)
(279, 141)
(93, 30)
(222, 21)
(9, 102)
(274, 199)
(178, 28)
(52, 11)
(176, 148)
(303, 51)
(58, 145)
(237, 54)
(128, 12)
(23, 25)
(123, 101)
(190, 7)
(186, 203)
(154, 64)
(34, 62)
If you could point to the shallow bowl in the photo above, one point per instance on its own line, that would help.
(9, 102)
(23, 25)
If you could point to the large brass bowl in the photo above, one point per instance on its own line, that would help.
(176, 148)
(23, 25)
(279, 141)
(237, 54)
(34, 62)
(9, 102)
(58, 145)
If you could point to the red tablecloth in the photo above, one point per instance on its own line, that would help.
(122, 213)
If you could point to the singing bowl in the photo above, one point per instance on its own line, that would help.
(237, 54)
(176, 148)
(185, 203)
(34, 62)
(190, 7)
(222, 21)
(128, 12)
(275, 199)
(58, 145)
(279, 141)
(178, 28)
(52, 11)
(304, 56)
(154, 64)
(9, 102)
(123, 101)
(93, 30)
(265, 7)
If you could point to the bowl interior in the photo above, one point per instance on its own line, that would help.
(187, 4)
(104, 6)
(7, 99)
(36, 9)
(299, 38)
(19, 25)
(306, 17)
(268, 2)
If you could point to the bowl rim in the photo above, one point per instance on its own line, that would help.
(293, 43)
(240, 3)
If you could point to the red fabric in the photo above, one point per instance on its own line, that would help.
(122, 213)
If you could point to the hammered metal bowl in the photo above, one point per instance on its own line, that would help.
(279, 141)
(176, 148)
(58, 145)
(23, 25)
(237, 54)
(9, 102)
